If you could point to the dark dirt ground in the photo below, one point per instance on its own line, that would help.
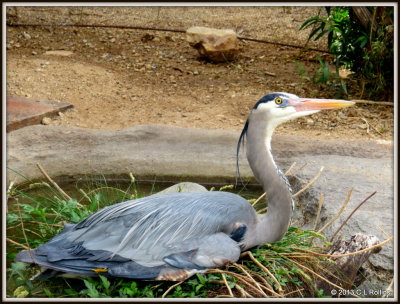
(120, 78)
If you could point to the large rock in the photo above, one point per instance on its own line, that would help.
(207, 156)
(215, 44)
(184, 187)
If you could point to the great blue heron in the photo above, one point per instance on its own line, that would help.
(171, 236)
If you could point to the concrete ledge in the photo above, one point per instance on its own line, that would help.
(157, 151)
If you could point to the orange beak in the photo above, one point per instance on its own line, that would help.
(316, 104)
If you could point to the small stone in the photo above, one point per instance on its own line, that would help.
(26, 35)
(46, 120)
(17, 45)
(8, 46)
(59, 53)
(34, 53)
(195, 73)
(112, 40)
(310, 122)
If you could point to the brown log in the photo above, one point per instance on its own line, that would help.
(345, 271)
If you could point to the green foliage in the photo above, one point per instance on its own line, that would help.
(366, 52)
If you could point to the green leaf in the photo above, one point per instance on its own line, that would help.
(105, 281)
(91, 289)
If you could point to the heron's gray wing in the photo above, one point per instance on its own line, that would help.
(148, 229)
(160, 233)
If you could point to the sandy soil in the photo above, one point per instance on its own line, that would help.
(120, 78)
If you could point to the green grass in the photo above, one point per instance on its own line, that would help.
(37, 212)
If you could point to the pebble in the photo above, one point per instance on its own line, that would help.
(310, 121)
(34, 53)
(46, 120)
(26, 35)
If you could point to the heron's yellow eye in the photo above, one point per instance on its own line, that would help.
(278, 100)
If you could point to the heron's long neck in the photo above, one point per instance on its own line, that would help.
(274, 224)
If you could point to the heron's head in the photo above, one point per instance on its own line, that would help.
(277, 108)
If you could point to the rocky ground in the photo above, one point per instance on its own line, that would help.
(119, 78)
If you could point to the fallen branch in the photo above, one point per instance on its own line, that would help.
(348, 257)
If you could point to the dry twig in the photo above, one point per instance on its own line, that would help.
(258, 199)
(243, 279)
(316, 274)
(227, 285)
(339, 212)
(351, 214)
(170, 288)
(243, 292)
(251, 278)
(381, 103)
(287, 173)
(41, 223)
(344, 254)
(53, 182)
(265, 269)
(17, 244)
(321, 201)
(310, 183)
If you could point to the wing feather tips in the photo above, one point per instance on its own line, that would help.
(133, 270)
(26, 256)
